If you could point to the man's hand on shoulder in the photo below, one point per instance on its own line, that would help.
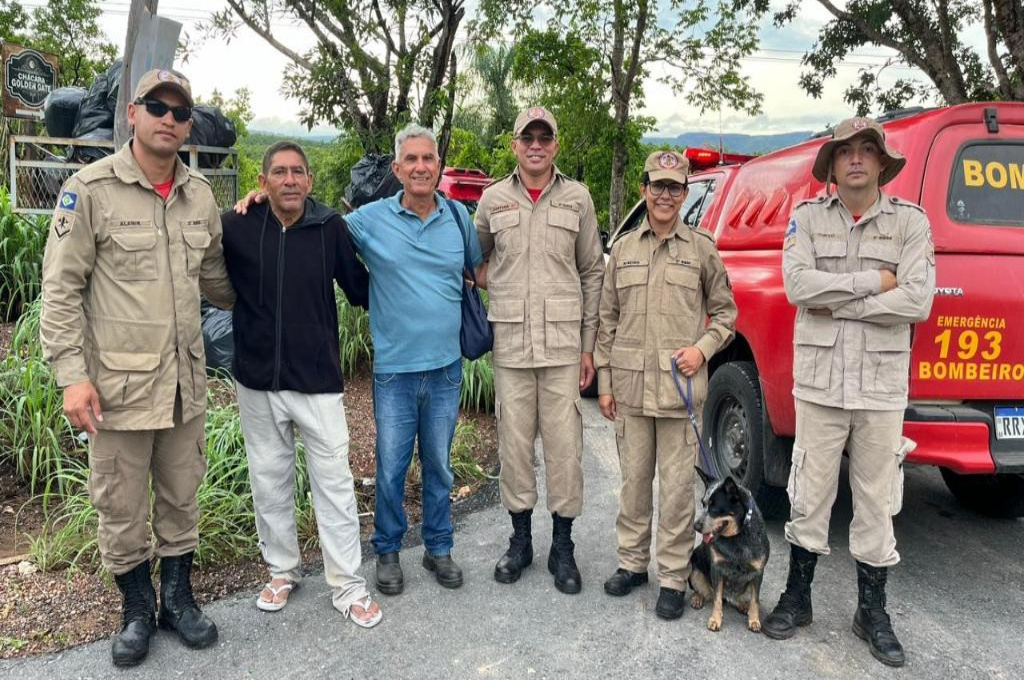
(255, 196)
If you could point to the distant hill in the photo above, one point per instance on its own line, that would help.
(288, 129)
(734, 143)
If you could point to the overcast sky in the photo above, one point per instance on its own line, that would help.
(250, 62)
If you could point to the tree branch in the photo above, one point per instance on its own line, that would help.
(265, 33)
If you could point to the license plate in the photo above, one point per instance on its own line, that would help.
(1010, 422)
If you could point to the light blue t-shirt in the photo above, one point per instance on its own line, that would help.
(415, 281)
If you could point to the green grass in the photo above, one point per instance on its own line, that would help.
(355, 346)
(464, 464)
(22, 242)
(478, 384)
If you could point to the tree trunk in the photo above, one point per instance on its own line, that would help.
(122, 131)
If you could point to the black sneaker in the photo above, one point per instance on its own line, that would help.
(623, 581)
(671, 604)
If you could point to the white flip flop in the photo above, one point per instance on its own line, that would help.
(365, 603)
(271, 606)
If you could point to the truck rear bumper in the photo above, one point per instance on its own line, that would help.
(962, 439)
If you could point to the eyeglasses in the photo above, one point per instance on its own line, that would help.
(543, 140)
(158, 109)
(675, 190)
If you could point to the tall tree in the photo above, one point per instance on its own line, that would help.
(66, 28)
(926, 34)
(491, 73)
(376, 63)
(697, 43)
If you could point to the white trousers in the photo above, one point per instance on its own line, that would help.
(268, 421)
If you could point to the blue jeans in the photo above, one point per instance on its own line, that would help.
(409, 406)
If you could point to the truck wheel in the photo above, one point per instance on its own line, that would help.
(734, 433)
(993, 495)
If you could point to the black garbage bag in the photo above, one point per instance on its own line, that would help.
(61, 110)
(372, 179)
(218, 338)
(99, 104)
(88, 154)
(210, 127)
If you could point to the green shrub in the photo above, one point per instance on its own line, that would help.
(355, 346)
(477, 384)
(22, 242)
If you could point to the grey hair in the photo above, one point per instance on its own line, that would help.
(412, 131)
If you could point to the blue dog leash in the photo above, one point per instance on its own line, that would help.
(687, 397)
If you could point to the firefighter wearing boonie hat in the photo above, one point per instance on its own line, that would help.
(134, 239)
(666, 298)
(539, 235)
(859, 266)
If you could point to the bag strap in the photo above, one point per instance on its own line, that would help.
(465, 238)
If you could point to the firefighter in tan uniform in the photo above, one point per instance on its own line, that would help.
(134, 239)
(860, 267)
(539, 234)
(663, 283)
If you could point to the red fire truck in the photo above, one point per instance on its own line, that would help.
(965, 167)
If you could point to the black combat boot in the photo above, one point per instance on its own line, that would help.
(871, 622)
(561, 561)
(131, 645)
(520, 549)
(178, 609)
(794, 607)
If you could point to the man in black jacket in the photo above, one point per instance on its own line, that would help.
(283, 258)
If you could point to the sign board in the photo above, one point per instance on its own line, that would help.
(29, 76)
(155, 45)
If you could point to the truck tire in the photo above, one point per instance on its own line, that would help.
(1000, 495)
(734, 433)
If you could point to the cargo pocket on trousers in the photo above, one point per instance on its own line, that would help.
(896, 495)
(104, 485)
(794, 487)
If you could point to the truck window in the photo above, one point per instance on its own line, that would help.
(987, 184)
(697, 201)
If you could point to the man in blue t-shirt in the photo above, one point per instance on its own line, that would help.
(415, 250)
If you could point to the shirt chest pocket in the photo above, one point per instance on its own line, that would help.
(508, 238)
(680, 295)
(879, 254)
(134, 253)
(830, 255)
(560, 234)
(196, 243)
(631, 287)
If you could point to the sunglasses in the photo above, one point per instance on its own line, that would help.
(543, 140)
(675, 190)
(158, 109)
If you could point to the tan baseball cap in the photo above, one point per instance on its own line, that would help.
(848, 129)
(670, 165)
(534, 114)
(162, 78)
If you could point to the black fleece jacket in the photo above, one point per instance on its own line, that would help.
(286, 315)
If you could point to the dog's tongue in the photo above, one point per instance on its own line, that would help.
(709, 537)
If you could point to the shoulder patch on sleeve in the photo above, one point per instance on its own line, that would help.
(790, 238)
(63, 222)
(68, 201)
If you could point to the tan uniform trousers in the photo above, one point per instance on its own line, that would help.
(873, 439)
(526, 398)
(120, 463)
(667, 444)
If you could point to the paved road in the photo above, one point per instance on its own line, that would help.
(957, 602)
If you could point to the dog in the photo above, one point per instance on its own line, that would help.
(728, 565)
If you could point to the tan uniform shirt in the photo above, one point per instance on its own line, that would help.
(121, 280)
(857, 357)
(544, 276)
(658, 296)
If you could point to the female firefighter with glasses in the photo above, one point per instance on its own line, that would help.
(662, 283)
